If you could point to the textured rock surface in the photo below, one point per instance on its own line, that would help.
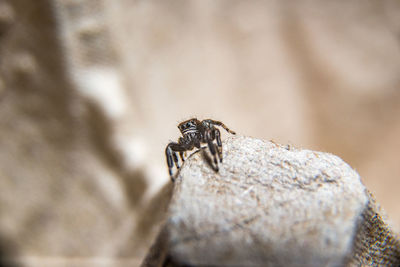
(268, 205)
(375, 244)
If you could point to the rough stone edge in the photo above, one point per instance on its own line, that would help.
(158, 253)
(374, 244)
(373, 236)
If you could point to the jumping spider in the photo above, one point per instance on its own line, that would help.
(194, 134)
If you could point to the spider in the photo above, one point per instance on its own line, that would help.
(194, 134)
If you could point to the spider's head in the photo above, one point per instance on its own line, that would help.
(189, 126)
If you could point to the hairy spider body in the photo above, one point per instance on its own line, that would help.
(194, 133)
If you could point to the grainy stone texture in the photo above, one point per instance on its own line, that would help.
(375, 244)
(269, 205)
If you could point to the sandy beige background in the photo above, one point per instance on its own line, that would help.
(91, 92)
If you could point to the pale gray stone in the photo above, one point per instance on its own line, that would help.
(268, 205)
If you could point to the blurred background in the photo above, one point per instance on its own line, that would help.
(91, 92)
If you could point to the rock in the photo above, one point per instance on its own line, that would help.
(269, 205)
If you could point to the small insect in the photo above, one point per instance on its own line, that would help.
(194, 133)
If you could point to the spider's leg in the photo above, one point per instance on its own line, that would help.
(209, 160)
(218, 123)
(170, 153)
(212, 147)
(175, 157)
(181, 154)
(219, 143)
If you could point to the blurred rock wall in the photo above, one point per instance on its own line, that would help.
(91, 92)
